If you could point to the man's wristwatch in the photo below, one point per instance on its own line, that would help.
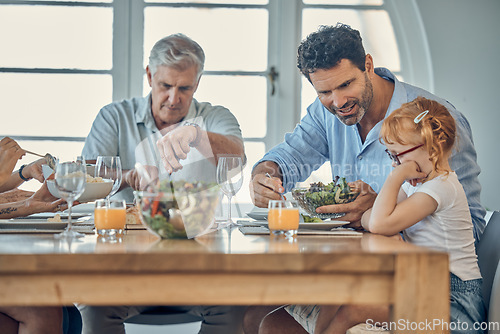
(196, 140)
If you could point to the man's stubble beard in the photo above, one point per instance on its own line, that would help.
(363, 104)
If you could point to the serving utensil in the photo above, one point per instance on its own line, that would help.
(51, 161)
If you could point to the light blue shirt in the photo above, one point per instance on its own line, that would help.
(124, 128)
(320, 136)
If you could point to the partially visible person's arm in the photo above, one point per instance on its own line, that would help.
(14, 195)
(40, 201)
(303, 151)
(222, 145)
(464, 162)
(10, 153)
(30, 171)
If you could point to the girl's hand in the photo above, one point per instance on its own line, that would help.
(410, 171)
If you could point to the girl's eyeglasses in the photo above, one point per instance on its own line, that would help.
(395, 157)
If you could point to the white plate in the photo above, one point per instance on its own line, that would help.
(32, 224)
(63, 215)
(262, 215)
(327, 225)
(82, 209)
(257, 215)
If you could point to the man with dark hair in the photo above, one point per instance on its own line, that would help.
(342, 126)
(325, 48)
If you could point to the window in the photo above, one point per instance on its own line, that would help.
(63, 60)
(236, 61)
(370, 22)
(55, 72)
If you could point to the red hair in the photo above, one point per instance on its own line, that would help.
(436, 130)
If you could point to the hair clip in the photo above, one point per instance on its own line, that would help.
(420, 116)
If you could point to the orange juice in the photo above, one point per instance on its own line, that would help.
(283, 219)
(109, 218)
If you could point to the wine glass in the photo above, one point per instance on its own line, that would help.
(230, 179)
(109, 167)
(70, 179)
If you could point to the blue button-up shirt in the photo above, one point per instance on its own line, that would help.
(320, 136)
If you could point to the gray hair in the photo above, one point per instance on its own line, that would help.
(177, 51)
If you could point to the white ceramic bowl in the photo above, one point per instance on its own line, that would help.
(47, 171)
(92, 192)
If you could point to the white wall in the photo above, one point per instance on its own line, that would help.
(464, 41)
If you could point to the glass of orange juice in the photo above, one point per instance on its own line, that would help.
(283, 217)
(109, 217)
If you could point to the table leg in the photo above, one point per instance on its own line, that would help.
(421, 293)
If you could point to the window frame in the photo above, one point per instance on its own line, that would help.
(285, 21)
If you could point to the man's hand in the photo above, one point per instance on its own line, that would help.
(354, 210)
(134, 179)
(174, 146)
(43, 201)
(263, 189)
(34, 170)
(10, 153)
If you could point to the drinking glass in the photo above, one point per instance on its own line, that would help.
(70, 179)
(283, 217)
(109, 167)
(230, 179)
(110, 218)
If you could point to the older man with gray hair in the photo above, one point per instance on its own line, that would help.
(170, 126)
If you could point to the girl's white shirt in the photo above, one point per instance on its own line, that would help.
(449, 228)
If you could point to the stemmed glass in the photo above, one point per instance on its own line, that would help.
(230, 179)
(70, 179)
(109, 167)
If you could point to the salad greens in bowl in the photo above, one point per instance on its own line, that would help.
(319, 194)
(183, 212)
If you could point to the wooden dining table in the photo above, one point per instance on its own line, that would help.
(226, 267)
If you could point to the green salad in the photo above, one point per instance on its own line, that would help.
(309, 219)
(319, 194)
(183, 213)
(335, 192)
